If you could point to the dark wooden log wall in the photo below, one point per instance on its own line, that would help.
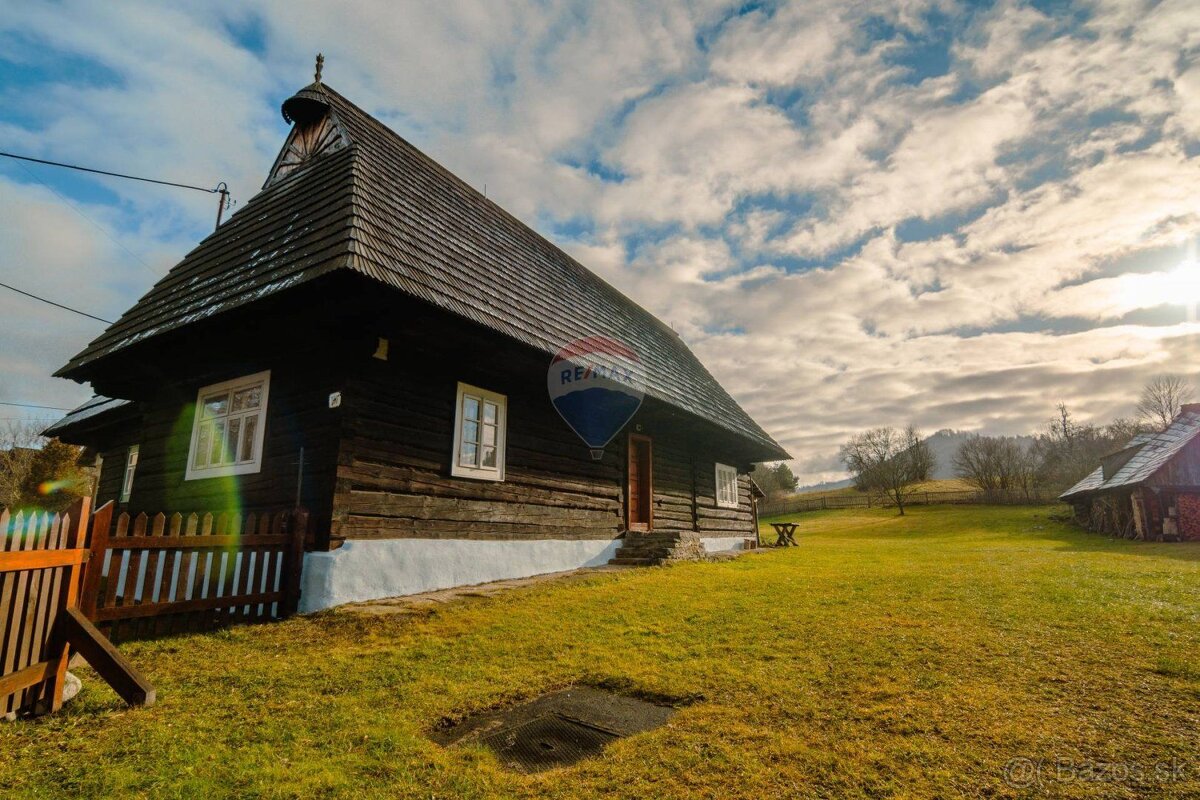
(298, 416)
(394, 481)
(714, 521)
(393, 475)
(673, 482)
(393, 466)
(379, 466)
(685, 485)
(113, 469)
(302, 348)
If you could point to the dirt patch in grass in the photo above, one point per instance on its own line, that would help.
(556, 729)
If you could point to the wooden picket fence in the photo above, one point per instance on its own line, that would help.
(41, 556)
(65, 576)
(150, 576)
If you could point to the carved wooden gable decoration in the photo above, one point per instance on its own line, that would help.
(308, 141)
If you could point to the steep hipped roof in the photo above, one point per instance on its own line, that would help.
(1154, 451)
(382, 208)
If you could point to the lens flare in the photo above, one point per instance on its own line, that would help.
(47, 488)
(221, 496)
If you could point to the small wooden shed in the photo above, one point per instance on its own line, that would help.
(1149, 489)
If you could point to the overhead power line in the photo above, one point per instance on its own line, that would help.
(110, 174)
(31, 405)
(57, 305)
(220, 188)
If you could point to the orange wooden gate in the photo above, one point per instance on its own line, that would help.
(41, 556)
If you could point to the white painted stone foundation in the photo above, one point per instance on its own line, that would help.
(723, 544)
(368, 570)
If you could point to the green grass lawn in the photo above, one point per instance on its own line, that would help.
(885, 656)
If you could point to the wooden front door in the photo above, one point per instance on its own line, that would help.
(641, 484)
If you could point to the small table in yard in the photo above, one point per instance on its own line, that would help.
(786, 533)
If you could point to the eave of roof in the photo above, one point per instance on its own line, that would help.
(96, 412)
(1091, 483)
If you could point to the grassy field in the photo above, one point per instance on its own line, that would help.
(885, 656)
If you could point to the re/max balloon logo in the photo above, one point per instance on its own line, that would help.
(596, 386)
(596, 372)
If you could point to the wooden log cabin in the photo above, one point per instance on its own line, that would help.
(369, 337)
(1149, 489)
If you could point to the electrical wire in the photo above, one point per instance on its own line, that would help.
(57, 305)
(105, 172)
(48, 408)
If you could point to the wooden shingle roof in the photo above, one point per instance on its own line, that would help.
(381, 207)
(1151, 453)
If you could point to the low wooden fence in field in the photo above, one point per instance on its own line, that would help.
(150, 576)
(811, 502)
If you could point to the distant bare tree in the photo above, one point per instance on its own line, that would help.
(1025, 471)
(996, 465)
(888, 462)
(18, 442)
(1067, 450)
(1064, 426)
(1162, 399)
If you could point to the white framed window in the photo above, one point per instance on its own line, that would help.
(131, 459)
(480, 418)
(227, 432)
(727, 486)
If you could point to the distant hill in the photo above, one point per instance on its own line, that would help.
(827, 486)
(944, 444)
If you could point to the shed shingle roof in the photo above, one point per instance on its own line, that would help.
(1154, 452)
(1091, 483)
(383, 208)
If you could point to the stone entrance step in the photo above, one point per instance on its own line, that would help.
(649, 549)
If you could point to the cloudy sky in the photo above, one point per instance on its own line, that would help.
(855, 213)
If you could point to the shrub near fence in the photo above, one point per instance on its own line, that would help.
(800, 502)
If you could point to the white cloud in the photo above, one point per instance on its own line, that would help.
(716, 166)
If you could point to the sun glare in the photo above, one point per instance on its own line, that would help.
(1185, 283)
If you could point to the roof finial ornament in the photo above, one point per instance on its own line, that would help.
(320, 63)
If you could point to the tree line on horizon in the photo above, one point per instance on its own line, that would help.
(889, 462)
